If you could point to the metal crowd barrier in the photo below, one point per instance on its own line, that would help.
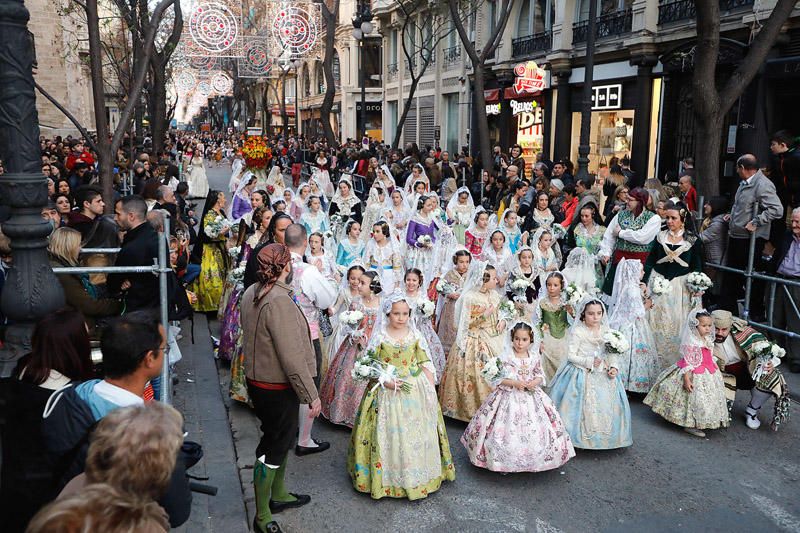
(161, 268)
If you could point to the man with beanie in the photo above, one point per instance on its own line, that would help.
(733, 350)
(280, 369)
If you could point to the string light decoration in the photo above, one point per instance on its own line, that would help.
(295, 29)
(255, 61)
(204, 89)
(185, 82)
(214, 29)
(221, 83)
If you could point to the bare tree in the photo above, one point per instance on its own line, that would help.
(711, 102)
(478, 59)
(330, 15)
(159, 76)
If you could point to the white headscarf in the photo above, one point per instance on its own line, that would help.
(453, 203)
(692, 343)
(580, 268)
(472, 284)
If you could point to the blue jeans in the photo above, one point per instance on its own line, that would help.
(191, 274)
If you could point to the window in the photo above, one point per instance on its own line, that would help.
(393, 47)
(336, 70)
(536, 16)
(306, 80)
(319, 73)
(604, 7)
(371, 62)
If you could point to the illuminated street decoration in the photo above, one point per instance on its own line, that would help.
(214, 29)
(255, 61)
(294, 28)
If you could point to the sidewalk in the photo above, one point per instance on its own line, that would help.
(197, 396)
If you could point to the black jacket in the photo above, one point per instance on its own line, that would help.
(139, 248)
(781, 249)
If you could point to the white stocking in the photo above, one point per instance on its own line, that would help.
(758, 398)
(306, 423)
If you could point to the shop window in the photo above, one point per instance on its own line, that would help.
(371, 62)
(536, 16)
(611, 135)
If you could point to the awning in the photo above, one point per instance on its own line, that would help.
(491, 95)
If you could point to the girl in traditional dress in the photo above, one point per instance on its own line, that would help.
(399, 215)
(299, 204)
(417, 175)
(420, 239)
(339, 393)
(510, 229)
(676, 253)
(518, 429)
(376, 210)
(459, 210)
(318, 191)
(524, 272)
(279, 206)
(423, 321)
(314, 218)
(345, 203)
(553, 316)
(399, 445)
(449, 288)
(691, 392)
(385, 178)
(242, 204)
(640, 365)
(587, 233)
(349, 289)
(499, 254)
(544, 256)
(383, 256)
(274, 183)
(351, 248)
(212, 254)
(479, 337)
(477, 233)
(587, 390)
(197, 180)
(580, 270)
(320, 258)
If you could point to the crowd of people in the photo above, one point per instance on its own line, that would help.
(386, 290)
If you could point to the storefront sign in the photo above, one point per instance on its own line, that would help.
(530, 78)
(493, 109)
(607, 97)
(529, 113)
(371, 107)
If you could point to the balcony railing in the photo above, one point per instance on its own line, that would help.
(451, 55)
(609, 25)
(538, 42)
(680, 10)
(392, 71)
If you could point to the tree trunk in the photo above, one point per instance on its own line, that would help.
(330, 16)
(708, 135)
(406, 109)
(479, 101)
(284, 113)
(158, 108)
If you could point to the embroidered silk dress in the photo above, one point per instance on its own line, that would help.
(399, 446)
(462, 390)
(474, 242)
(591, 243)
(213, 270)
(517, 430)
(315, 222)
(462, 213)
(554, 336)
(418, 256)
(446, 325)
(592, 404)
(424, 325)
(339, 393)
(347, 253)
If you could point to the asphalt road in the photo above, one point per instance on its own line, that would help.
(736, 479)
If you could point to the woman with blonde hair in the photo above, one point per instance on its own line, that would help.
(79, 292)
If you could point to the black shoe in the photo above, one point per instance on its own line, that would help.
(308, 450)
(271, 527)
(277, 507)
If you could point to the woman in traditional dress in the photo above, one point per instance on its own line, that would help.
(420, 239)
(242, 205)
(383, 256)
(587, 389)
(587, 233)
(540, 215)
(197, 179)
(212, 254)
(318, 191)
(476, 235)
(518, 429)
(299, 203)
(459, 210)
(398, 216)
(399, 445)
(417, 175)
(385, 178)
(339, 393)
(553, 316)
(676, 253)
(479, 337)
(449, 289)
(274, 183)
(351, 248)
(345, 203)
(629, 235)
(640, 365)
(376, 210)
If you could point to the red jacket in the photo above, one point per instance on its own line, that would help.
(569, 211)
(72, 158)
(690, 199)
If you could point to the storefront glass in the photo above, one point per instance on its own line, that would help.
(529, 119)
(611, 135)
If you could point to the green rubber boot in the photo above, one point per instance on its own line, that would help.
(279, 492)
(263, 478)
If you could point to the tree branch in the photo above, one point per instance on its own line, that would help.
(497, 34)
(69, 115)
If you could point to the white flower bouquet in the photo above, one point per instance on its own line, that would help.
(462, 218)
(426, 308)
(234, 251)
(367, 368)
(351, 318)
(424, 241)
(558, 231)
(519, 286)
(328, 235)
(506, 310)
(445, 288)
(492, 370)
(660, 286)
(616, 342)
(214, 228)
(574, 294)
(698, 282)
(766, 352)
(236, 275)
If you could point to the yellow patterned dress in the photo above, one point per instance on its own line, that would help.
(462, 389)
(213, 270)
(399, 446)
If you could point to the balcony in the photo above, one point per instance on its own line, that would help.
(451, 55)
(530, 44)
(392, 71)
(610, 25)
(681, 10)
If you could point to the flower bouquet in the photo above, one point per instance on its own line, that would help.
(519, 286)
(424, 241)
(558, 231)
(216, 226)
(236, 276)
(574, 294)
(426, 308)
(351, 318)
(506, 310)
(698, 282)
(256, 153)
(766, 352)
(616, 342)
(234, 251)
(660, 286)
(492, 370)
(367, 368)
(445, 288)
(463, 219)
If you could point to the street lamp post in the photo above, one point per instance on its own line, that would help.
(362, 26)
(297, 63)
(586, 109)
(31, 288)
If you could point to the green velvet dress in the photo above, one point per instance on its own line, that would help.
(554, 324)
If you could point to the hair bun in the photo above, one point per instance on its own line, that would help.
(375, 286)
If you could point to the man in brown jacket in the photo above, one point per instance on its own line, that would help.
(280, 367)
